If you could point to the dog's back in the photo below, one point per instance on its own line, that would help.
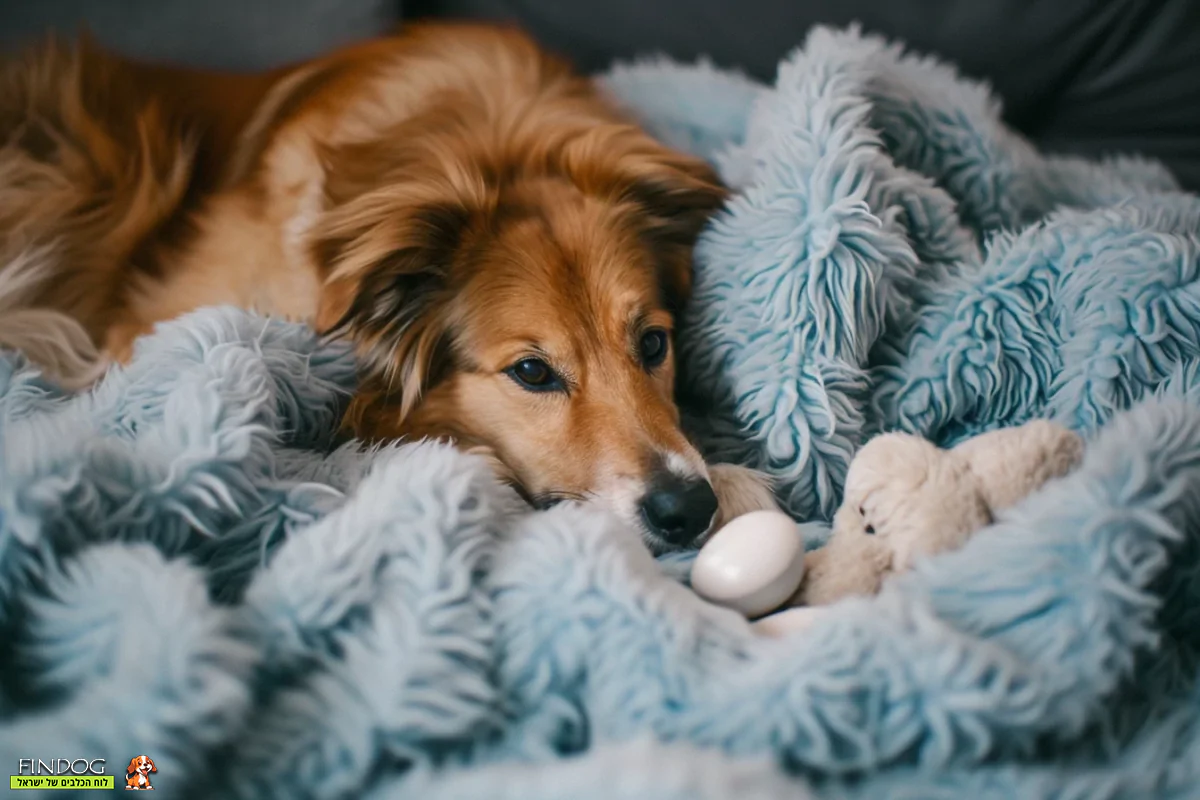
(86, 171)
(96, 154)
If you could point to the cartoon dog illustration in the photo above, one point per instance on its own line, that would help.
(137, 774)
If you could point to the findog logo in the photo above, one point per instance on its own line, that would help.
(137, 774)
(38, 774)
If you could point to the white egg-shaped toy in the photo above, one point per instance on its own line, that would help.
(790, 620)
(753, 564)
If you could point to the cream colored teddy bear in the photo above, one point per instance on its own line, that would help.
(906, 498)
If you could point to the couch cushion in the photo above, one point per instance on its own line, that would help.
(221, 34)
(1084, 76)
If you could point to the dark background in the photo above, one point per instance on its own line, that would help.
(1083, 76)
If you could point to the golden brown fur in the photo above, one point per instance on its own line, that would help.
(452, 199)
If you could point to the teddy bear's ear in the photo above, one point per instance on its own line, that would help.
(1011, 463)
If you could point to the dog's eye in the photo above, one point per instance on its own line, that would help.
(653, 346)
(535, 375)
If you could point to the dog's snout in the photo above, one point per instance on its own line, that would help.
(679, 510)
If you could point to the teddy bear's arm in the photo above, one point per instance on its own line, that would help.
(1011, 463)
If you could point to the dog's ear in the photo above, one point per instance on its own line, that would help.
(396, 210)
(132, 768)
(150, 761)
(673, 195)
(679, 196)
(385, 250)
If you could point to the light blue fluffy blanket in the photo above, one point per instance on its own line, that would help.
(187, 571)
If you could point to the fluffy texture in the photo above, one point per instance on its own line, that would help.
(906, 499)
(190, 571)
(57, 342)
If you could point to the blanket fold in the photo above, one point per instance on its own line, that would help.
(191, 568)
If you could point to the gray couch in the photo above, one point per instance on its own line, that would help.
(1084, 76)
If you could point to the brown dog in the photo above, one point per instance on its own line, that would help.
(137, 774)
(505, 249)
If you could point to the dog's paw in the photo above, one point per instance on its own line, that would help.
(739, 490)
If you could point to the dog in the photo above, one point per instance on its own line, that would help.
(507, 251)
(137, 774)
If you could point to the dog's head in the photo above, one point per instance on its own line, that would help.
(141, 764)
(523, 296)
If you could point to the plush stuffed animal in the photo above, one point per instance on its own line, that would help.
(904, 498)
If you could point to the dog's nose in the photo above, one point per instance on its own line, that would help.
(679, 510)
